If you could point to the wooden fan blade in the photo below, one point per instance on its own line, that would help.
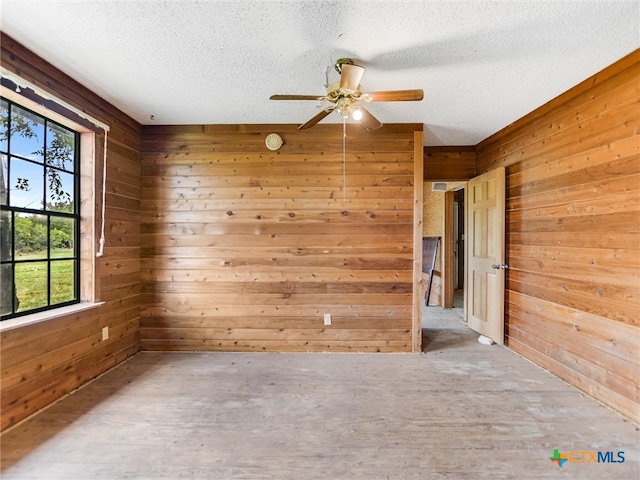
(317, 118)
(350, 78)
(368, 120)
(296, 97)
(393, 96)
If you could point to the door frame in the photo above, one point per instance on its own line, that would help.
(448, 251)
(448, 246)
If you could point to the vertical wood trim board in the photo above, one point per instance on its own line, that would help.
(43, 362)
(418, 140)
(245, 249)
(572, 234)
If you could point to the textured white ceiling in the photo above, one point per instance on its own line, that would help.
(481, 64)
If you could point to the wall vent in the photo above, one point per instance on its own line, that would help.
(439, 187)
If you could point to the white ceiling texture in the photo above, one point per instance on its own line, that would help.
(481, 64)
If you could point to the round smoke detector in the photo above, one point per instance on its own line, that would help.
(273, 141)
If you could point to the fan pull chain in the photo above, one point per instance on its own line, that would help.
(344, 159)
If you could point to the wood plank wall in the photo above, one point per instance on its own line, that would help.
(449, 164)
(245, 249)
(44, 361)
(572, 237)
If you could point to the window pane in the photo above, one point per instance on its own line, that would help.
(4, 124)
(5, 236)
(6, 279)
(60, 145)
(39, 218)
(31, 237)
(4, 179)
(59, 191)
(31, 285)
(62, 281)
(27, 134)
(26, 184)
(62, 237)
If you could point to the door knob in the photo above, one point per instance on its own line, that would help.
(499, 266)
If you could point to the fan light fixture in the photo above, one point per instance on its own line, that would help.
(345, 95)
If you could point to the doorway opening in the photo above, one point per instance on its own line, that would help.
(443, 318)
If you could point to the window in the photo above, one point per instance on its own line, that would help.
(39, 212)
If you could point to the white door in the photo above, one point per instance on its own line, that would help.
(485, 201)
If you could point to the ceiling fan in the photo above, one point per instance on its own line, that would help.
(345, 97)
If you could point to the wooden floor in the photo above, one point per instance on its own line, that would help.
(459, 410)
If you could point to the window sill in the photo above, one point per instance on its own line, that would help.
(48, 315)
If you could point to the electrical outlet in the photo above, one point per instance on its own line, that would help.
(105, 333)
(327, 319)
